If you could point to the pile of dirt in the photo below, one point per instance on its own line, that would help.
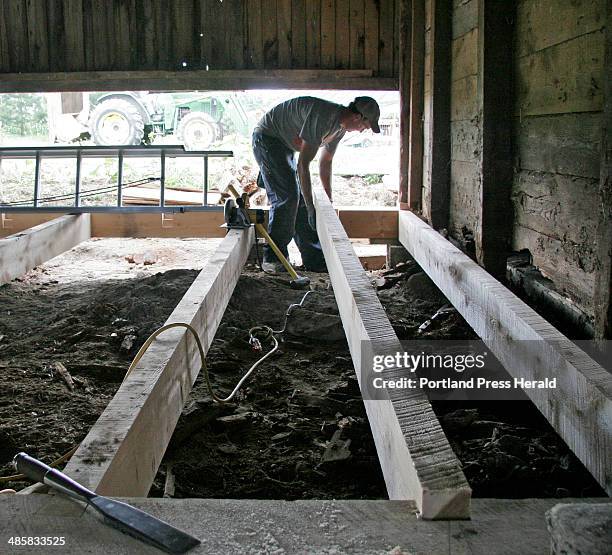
(509, 450)
(93, 329)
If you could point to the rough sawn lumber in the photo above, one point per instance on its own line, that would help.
(415, 456)
(122, 452)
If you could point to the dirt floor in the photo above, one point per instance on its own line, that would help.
(298, 428)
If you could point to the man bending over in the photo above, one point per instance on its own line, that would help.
(305, 125)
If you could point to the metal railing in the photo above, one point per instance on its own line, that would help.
(121, 153)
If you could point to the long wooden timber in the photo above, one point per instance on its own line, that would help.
(360, 223)
(213, 80)
(20, 252)
(580, 408)
(123, 450)
(416, 458)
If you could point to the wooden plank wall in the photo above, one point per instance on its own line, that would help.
(108, 35)
(465, 121)
(559, 61)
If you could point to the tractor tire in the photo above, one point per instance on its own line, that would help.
(116, 122)
(197, 131)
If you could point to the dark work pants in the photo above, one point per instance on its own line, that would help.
(288, 215)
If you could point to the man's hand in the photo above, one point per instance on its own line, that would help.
(312, 218)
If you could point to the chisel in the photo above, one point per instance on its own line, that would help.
(128, 519)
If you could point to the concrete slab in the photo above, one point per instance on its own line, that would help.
(233, 526)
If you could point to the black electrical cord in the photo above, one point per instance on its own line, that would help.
(89, 193)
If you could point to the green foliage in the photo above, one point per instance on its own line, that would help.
(23, 114)
(373, 178)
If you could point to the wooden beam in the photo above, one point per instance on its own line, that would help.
(21, 252)
(603, 278)
(379, 223)
(122, 452)
(417, 70)
(360, 223)
(436, 185)
(498, 526)
(15, 223)
(580, 409)
(239, 79)
(495, 99)
(415, 457)
(405, 49)
(187, 224)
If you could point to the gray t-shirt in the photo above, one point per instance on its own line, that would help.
(311, 119)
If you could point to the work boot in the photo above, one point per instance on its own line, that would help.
(272, 268)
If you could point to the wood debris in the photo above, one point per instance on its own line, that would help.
(169, 483)
(337, 449)
(64, 374)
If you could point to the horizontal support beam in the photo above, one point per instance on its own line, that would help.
(126, 191)
(580, 408)
(498, 526)
(372, 223)
(122, 452)
(22, 251)
(415, 456)
(188, 224)
(350, 79)
(359, 223)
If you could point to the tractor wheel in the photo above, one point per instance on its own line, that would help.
(198, 131)
(116, 122)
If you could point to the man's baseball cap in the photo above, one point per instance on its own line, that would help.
(369, 108)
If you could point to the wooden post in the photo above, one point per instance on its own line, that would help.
(603, 279)
(495, 32)
(415, 179)
(436, 187)
(405, 49)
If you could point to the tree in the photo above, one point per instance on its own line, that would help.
(23, 114)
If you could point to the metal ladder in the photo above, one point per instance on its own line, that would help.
(120, 152)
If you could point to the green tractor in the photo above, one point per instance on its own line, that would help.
(196, 119)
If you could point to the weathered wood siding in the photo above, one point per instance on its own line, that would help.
(108, 35)
(559, 61)
(465, 121)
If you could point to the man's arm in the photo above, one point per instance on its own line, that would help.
(325, 170)
(307, 154)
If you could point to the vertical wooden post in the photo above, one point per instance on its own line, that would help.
(415, 179)
(603, 279)
(437, 106)
(412, 46)
(495, 34)
(405, 49)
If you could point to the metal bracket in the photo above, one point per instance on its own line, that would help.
(167, 221)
